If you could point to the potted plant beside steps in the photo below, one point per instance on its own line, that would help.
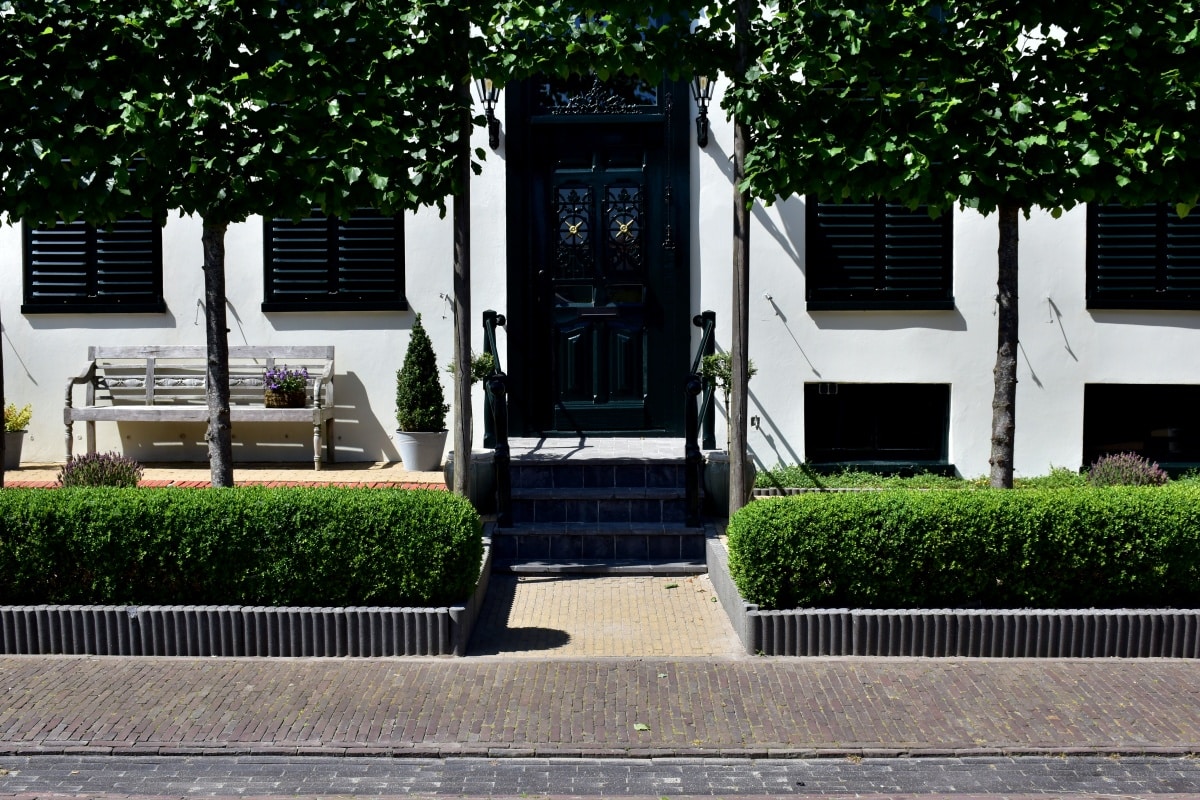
(717, 369)
(15, 422)
(420, 405)
(482, 492)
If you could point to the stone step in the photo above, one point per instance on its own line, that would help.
(599, 505)
(595, 474)
(611, 542)
(600, 567)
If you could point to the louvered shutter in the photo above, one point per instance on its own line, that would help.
(323, 263)
(916, 253)
(877, 256)
(77, 267)
(1142, 257)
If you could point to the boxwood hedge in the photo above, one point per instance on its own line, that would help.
(1049, 548)
(242, 546)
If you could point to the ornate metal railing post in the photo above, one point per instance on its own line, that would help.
(495, 419)
(693, 462)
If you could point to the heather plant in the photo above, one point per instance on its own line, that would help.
(100, 469)
(1126, 469)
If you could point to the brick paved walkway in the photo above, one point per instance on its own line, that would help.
(554, 617)
(552, 693)
(194, 475)
(598, 707)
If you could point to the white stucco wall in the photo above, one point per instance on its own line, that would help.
(41, 351)
(1064, 346)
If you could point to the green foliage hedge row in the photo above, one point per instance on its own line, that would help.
(1065, 548)
(243, 546)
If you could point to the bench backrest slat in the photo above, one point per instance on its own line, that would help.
(175, 374)
(280, 352)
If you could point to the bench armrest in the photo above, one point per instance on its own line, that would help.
(323, 387)
(87, 376)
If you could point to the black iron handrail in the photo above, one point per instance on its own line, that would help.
(495, 419)
(696, 414)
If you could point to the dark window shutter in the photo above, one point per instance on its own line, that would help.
(1142, 257)
(877, 256)
(77, 267)
(917, 254)
(1183, 254)
(324, 263)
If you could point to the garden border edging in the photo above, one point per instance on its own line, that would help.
(978, 633)
(249, 631)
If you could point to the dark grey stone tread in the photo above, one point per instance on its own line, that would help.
(537, 460)
(600, 567)
(600, 529)
(601, 493)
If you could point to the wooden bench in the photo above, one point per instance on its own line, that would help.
(166, 384)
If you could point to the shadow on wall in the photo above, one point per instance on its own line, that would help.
(71, 324)
(358, 435)
(791, 210)
(358, 422)
(889, 320)
(783, 451)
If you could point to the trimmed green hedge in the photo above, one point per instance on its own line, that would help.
(1064, 548)
(243, 546)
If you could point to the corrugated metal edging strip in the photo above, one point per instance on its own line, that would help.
(295, 632)
(1090, 633)
(228, 631)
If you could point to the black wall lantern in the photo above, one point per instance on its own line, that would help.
(489, 93)
(702, 89)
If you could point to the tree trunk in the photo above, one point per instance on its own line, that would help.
(1004, 400)
(738, 348)
(462, 302)
(220, 432)
(2, 403)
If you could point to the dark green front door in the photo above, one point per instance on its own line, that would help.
(598, 265)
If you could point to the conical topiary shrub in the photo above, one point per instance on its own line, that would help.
(420, 403)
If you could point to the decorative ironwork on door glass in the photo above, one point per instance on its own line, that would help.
(587, 94)
(623, 218)
(573, 212)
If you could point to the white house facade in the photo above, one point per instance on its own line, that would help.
(600, 228)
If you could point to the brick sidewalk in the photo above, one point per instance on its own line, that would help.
(197, 475)
(598, 707)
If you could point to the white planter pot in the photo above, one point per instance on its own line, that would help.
(421, 451)
(716, 482)
(12, 448)
(482, 492)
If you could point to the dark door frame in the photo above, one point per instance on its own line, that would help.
(525, 328)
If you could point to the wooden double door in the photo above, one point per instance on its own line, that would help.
(599, 262)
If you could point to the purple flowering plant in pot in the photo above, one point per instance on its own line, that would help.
(284, 387)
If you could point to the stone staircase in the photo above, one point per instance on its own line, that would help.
(609, 506)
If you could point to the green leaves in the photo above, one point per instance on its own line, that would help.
(251, 546)
(1047, 548)
(230, 109)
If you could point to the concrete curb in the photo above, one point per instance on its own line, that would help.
(292, 632)
(473, 751)
(942, 633)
